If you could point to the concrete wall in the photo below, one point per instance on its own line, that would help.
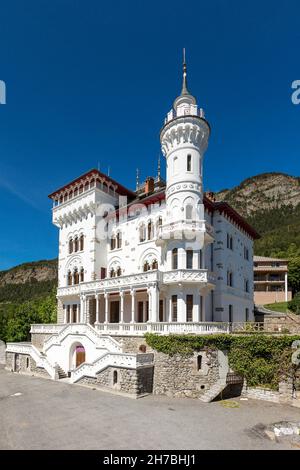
(262, 298)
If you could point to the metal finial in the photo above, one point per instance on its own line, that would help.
(137, 179)
(184, 90)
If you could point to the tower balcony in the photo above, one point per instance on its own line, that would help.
(190, 230)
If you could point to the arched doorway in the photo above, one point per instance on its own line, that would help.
(77, 355)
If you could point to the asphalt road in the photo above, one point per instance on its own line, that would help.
(54, 415)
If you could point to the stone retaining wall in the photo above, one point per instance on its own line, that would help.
(134, 382)
(25, 365)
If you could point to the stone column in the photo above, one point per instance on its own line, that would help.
(196, 261)
(155, 304)
(65, 314)
(181, 306)
(121, 307)
(106, 307)
(132, 305)
(149, 304)
(82, 308)
(203, 307)
(197, 308)
(286, 286)
(97, 308)
(181, 258)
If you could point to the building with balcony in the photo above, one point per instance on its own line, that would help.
(164, 257)
(270, 280)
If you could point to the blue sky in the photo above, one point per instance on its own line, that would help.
(91, 81)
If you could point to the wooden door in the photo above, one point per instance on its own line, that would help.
(80, 355)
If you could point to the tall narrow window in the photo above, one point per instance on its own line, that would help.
(82, 275)
(75, 313)
(174, 308)
(69, 319)
(246, 285)
(189, 259)
(150, 231)
(189, 307)
(76, 276)
(189, 163)
(81, 242)
(119, 271)
(146, 266)
(200, 259)
(247, 314)
(229, 278)
(112, 273)
(69, 278)
(112, 243)
(71, 245)
(175, 258)
(102, 273)
(230, 313)
(76, 244)
(142, 233)
(189, 212)
(119, 240)
(154, 264)
(115, 377)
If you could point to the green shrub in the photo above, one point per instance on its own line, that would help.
(262, 359)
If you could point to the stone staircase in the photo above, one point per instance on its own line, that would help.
(214, 391)
(61, 373)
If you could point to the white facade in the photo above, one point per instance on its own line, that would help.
(171, 260)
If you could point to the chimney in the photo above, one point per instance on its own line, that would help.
(149, 185)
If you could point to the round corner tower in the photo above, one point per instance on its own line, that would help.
(184, 139)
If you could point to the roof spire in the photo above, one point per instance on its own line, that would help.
(184, 90)
(137, 179)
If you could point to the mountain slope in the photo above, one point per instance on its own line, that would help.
(270, 202)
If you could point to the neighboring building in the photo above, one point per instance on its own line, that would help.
(163, 258)
(270, 280)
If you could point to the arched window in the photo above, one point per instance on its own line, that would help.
(87, 186)
(119, 240)
(142, 233)
(119, 271)
(175, 258)
(146, 266)
(76, 276)
(80, 189)
(69, 278)
(71, 245)
(115, 377)
(81, 275)
(75, 192)
(189, 212)
(150, 230)
(76, 244)
(155, 264)
(189, 163)
(81, 242)
(112, 273)
(27, 362)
